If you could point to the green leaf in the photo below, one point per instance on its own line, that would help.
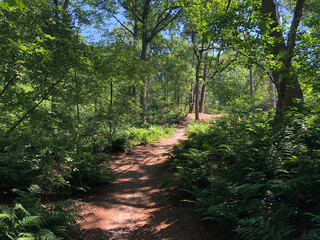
(31, 221)
(46, 234)
(26, 236)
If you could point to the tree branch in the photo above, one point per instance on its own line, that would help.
(8, 83)
(30, 110)
(124, 26)
(136, 15)
(229, 3)
(259, 65)
(158, 29)
(293, 31)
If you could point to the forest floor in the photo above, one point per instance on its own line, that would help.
(135, 206)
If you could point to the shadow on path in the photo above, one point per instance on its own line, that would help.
(135, 206)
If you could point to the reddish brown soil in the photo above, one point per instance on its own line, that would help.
(204, 116)
(135, 206)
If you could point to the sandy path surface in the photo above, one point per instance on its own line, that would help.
(205, 116)
(135, 206)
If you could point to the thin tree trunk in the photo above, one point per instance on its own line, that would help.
(144, 87)
(203, 89)
(77, 98)
(251, 82)
(110, 109)
(273, 95)
(93, 141)
(144, 47)
(197, 85)
(135, 39)
(191, 99)
(78, 110)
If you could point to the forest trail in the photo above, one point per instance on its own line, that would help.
(135, 206)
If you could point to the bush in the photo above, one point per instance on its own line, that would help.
(86, 171)
(267, 188)
(133, 136)
(21, 166)
(30, 219)
(79, 172)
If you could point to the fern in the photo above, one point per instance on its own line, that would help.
(46, 234)
(314, 232)
(34, 221)
(268, 176)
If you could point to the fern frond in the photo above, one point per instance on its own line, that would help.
(30, 221)
(18, 206)
(46, 234)
(26, 236)
(6, 216)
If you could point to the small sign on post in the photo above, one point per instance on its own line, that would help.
(214, 166)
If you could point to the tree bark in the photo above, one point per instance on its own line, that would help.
(191, 98)
(251, 82)
(199, 58)
(284, 78)
(144, 47)
(144, 87)
(110, 109)
(203, 89)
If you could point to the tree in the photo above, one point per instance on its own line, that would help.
(282, 52)
(150, 18)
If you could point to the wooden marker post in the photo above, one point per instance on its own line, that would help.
(214, 166)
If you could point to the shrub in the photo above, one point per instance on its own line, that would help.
(267, 188)
(30, 219)
(145, 135)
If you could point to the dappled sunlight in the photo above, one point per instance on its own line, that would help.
(132, 200)
(135, 206)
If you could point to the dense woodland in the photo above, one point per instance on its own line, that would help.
(82, 79)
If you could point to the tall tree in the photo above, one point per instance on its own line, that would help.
(150, 18)
(282, 52)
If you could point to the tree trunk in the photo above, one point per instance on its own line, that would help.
(144, 48)
(93, 140)
(135, 40)
(144, 87)
(191, 99)
(78, 111)
(199, 57)
(285, 80)
(110, 109)
(203, 90)
(273, 95)
(251, 82)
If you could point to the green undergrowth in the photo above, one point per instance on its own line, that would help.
(59, 165)
(64, 172)
(29, 219)
(268, 181)
(146, 134)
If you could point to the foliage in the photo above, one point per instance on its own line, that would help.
(85, 171)
(144, 135)
(30, 219)
(267, 187)
(64, 101)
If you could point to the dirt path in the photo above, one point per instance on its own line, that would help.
(135, 206)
